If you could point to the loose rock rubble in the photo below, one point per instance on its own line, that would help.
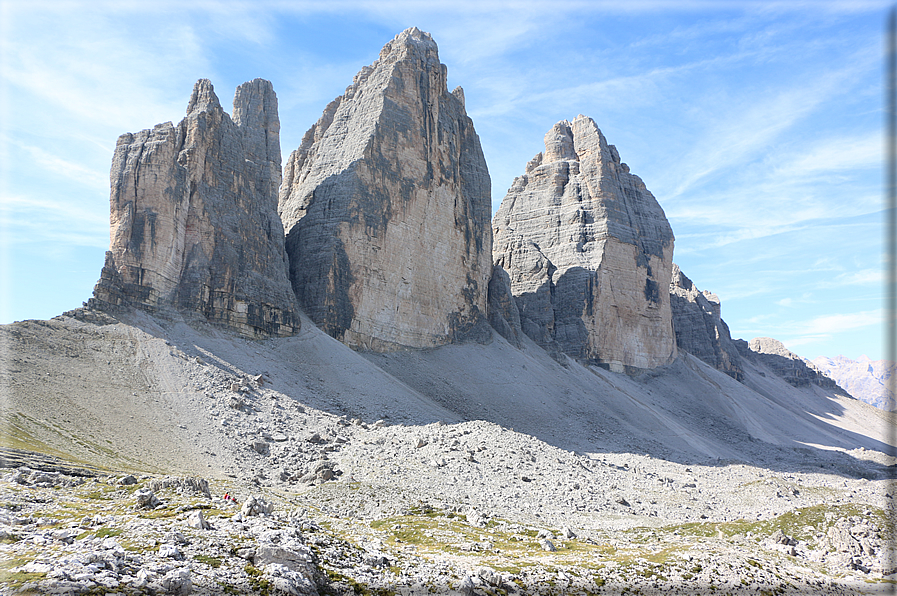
(395, 531)
(368, 491)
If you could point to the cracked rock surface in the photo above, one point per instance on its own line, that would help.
(589, 253)
(386, 207)
(194, 222)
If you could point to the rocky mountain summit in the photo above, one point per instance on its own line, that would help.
(865, 379)
(589, 253)
(386, 206)
(194, 222)
(609, 437)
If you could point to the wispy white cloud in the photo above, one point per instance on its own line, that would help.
(54, 165)
(834, 154)
(98, 69)
(744, 130)
(28, 220)
(861, 278)
(815, 332)
(838, 323)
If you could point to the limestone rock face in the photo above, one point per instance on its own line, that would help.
(589, 252)
(194, 221)
(503, 314)
(700, 330)
(788, 365)
(386, 206)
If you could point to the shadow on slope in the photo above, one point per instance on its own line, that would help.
(686, 412)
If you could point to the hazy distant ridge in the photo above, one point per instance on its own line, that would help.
(865, 379)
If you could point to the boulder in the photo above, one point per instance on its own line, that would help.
(589, 254)
(170, 551)
(255, 506)
(386, 206)
(177, 581)
(189, 484)
(699, 329)
(146, 498)
(197, 520)
(194, 222)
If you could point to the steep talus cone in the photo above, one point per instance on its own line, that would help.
(194, 222)
(700, 330)
(386, 206)
(589, 252)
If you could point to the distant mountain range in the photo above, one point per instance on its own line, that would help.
(865, 379)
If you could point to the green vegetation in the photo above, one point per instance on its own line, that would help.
(108, 532)
(17, 579)
(20, 431)
(258, 583)
(358, 588)
(208, 560)
(801, 524)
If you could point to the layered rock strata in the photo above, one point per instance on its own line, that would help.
(386, 205)
(699, 328)
(589, 253)
(194, 222)
(785, 363)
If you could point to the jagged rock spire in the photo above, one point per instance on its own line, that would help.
(386, 205)
(194, 222)
(589, 253)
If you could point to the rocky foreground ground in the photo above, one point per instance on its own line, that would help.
(351, 481)
(529, 520)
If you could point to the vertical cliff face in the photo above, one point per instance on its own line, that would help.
(386, 207)
(194, 221)
(699, 328)
(589, 253)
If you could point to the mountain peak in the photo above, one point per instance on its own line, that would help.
(392, 171)
(203, 97)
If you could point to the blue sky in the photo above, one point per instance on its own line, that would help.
(757, 125)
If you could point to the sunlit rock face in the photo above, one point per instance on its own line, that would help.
(700, 330)
(193, 213)
(386, 206)
(589, 253)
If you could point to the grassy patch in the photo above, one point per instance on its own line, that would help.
(801, 524)
(16, 579)
(109, 532)
(208, 560)
(357, 588)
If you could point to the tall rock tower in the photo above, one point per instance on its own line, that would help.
(194, 222)
(386, 206)
(700, 330)
(589, 252)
